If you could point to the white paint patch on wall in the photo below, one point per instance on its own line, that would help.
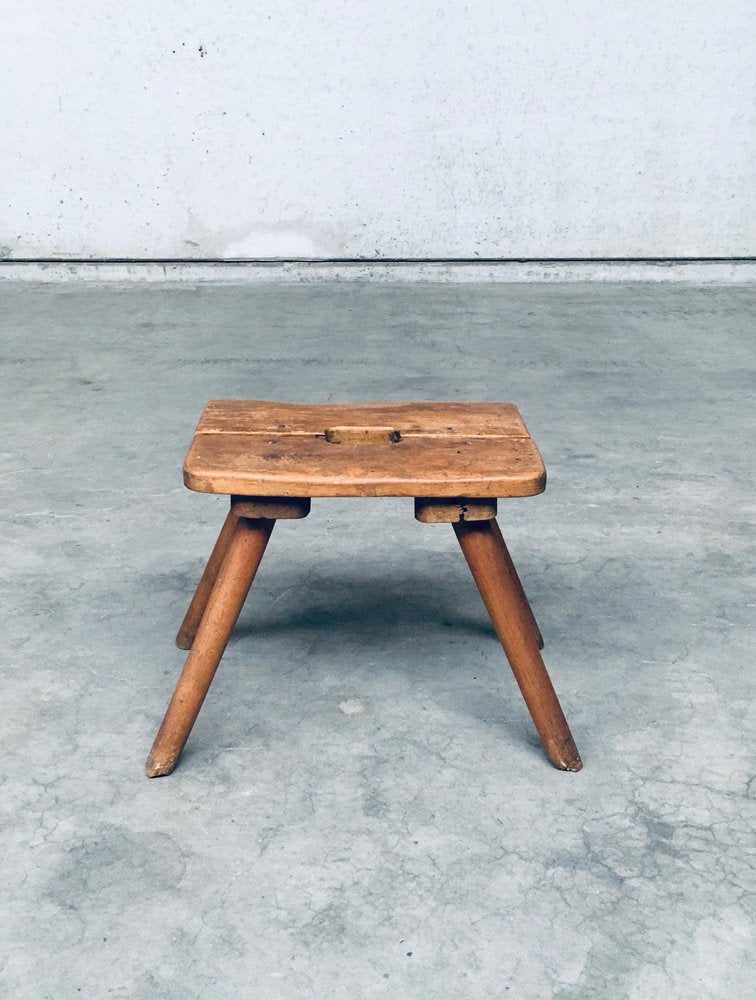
(339, 128)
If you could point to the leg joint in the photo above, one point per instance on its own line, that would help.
(434, 510)
(273, 508)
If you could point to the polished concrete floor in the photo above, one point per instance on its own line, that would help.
(363, 809)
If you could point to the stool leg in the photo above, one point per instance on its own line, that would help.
(196, 609)
(497, 587)
(522, 599)
(234, 579)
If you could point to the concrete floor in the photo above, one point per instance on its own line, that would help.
(422, 847)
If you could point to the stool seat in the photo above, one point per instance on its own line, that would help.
(258, 448)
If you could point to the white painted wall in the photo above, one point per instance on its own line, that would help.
(398, 128)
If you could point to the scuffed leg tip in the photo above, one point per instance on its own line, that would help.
(566, 758)
(184, 641)
(157, 769)
(571, 765)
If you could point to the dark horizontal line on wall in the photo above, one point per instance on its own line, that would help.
(378, 260)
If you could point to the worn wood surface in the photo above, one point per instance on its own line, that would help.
(431, 510)
(274, 508)
(232, 584)
(389, 449)
(241, 416)
(372, 434)
(492, 574)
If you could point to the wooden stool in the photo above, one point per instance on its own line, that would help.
(455, 459)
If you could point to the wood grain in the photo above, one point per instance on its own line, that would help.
(244, 416)
(391, 449)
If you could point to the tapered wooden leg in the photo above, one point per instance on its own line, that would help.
(522, 599)
(243, 555)
(496, 583)
(274, 508)
(194, 614)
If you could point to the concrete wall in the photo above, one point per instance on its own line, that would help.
(349, 128)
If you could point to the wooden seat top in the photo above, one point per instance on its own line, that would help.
(257, 448)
